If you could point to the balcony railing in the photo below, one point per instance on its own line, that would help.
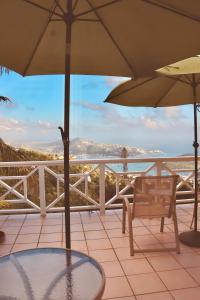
(37, 186)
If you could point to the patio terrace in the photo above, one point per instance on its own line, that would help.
(149, 276)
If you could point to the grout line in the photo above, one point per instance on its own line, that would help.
(18, 233)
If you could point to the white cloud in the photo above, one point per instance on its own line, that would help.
(114, 81)
(173, 112)
(9, 124)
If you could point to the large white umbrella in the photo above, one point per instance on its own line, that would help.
(105, 37)
(181, 85)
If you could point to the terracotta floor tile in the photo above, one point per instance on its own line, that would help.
(90, 219)
(96, 234)
(195, 273)
(164, 262)
(112, 225)
(50, 244)
(111, 248)
(177, 279)
(78, 245)
(5, 249)
(112, 268)
(137, 222)
(136, 266)
(3, 217)
(99, 244)
(187, 294)
(152, 221)
(57, 221)
(124, 298)
(120, 242)
(156, 253)
(116, 232)
(109, 218)
(124, 254)
(13, 223)
(156, 229)
(9, 239)
(33, 222)
(50, 237)
(20, 247)
(156, 296)
(188, 259)
(51, 228)
(103, 255)
(77, 236)
(27, 238)
(165, 237)
(93, 226)
(145, 240)
(140, 230)
(11, 229)
(75, 227)
(146, 283)
(30, 229)
(117, 287)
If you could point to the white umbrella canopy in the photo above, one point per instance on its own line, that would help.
(109, 37)
(181, 87)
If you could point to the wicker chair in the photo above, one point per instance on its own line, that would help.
(154, 197)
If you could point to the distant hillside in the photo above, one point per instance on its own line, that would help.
(10, 153)
(80, 147)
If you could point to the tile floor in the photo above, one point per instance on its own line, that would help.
(145, 276)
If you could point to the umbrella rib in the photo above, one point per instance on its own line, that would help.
(178, 79)
(60, 7)
(131, 88)
(42, 7)
(39, 40)
(173, 9)
(160, 99)
(97, 7)
(112, 39)
(75, 4)
(188, 78)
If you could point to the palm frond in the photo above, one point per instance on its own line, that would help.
(5, 99)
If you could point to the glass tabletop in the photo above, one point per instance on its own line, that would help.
(50, 274)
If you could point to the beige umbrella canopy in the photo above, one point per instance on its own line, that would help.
(158, 91)
(109, 37)
(181, 87)
(105, 37)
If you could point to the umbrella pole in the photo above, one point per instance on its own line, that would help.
(196, 145)
(192, 238)
(65, 133)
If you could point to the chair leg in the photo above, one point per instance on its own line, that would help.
(162, 224)
(130, 227)
(124, 217)
(176, 233)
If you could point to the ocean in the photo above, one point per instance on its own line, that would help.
(131, 166)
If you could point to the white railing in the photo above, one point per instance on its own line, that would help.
(38, 185)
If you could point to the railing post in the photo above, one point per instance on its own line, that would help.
(102, 188)
(42, 194)
(158, 168)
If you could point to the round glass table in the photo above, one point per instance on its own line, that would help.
(50, 274)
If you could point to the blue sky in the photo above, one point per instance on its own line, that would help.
(37, 111)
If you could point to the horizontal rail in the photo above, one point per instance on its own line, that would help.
(39, 186)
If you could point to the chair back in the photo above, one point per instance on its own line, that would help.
(154, 196)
